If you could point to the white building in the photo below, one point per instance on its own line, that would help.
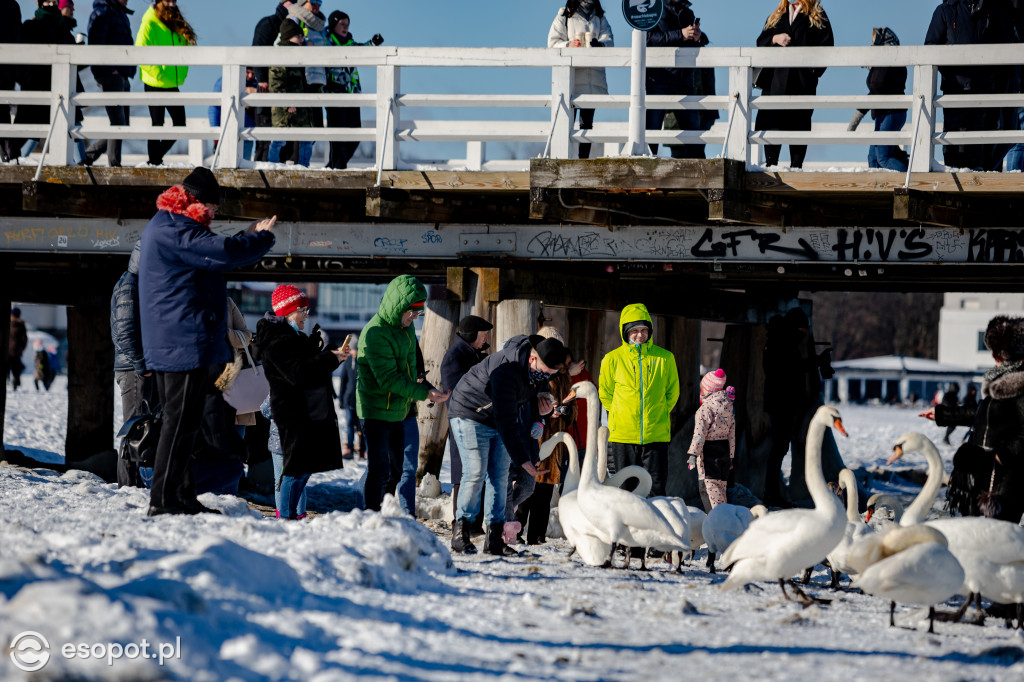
(895, 379)
(962, 323)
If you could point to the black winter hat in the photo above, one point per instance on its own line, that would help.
(629, 326)
(202, 185)
(552, 352)
(1005, 337)
(290, 29)
(333, 19)
(471, 325)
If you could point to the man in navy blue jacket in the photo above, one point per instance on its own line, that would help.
(109, 25)
(183, 299)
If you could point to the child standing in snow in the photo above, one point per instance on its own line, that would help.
(714, 439)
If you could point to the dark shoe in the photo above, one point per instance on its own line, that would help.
(460, 539)
(495, 544)
(196, 507)
(160, 511)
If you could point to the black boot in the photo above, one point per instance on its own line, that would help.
(460, 539)
(495, 544)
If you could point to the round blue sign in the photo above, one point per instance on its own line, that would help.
(643, 15)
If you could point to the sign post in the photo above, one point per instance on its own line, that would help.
(642, 15)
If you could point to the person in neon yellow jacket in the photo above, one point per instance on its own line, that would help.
(639, 386)
(163, 25)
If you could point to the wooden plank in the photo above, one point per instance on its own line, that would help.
(789, 210)
(635, 173)
(827, 181)
(165, 177)
(615, 208)
(490, 181)
(387, 203)
(955, 210)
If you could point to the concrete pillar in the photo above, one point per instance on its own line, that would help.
(90, 391)
(435, 339)
(585, 332)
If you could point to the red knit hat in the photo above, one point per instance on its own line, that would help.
(287, 299)
(712, 382)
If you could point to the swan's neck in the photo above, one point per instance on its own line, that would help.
(849, 482)
(918, 510)
(572, 477)
(814, 477)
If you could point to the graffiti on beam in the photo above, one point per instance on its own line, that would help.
(389, 245)
(564, 245)
(432, 237)
(300, 264)
(995, 246)
(726, 243)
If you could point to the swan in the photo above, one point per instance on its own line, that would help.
(855, 528)
(622, 517)
(678, 516)
(784, 543)
(697, 519)
(876, 502)
(990, 551)
(910, 565)
(724, 524)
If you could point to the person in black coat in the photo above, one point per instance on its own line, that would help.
(265, 35)
(299, 370)
(347, 402)
(109, 25)
(988, 470)
(807, 27)
(44, 28)
(468, 350)
(951, 398)
(10, 32)
(972, 22)
(678, 28)
(885, 80)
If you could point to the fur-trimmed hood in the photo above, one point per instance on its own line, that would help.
(177, 200)
(1009, 385)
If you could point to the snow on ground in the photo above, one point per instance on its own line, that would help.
(352, 594)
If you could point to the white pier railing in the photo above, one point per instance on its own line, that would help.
(737, 100)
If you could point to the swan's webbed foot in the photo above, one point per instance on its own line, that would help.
(711, 562)
(807, 576)
(957, 616)
(931, 620)
(806, 599)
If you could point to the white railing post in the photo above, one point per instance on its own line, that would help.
(923, 121)
(562, 116)
(388, 84)
(62, 85)
(232, 118)
(475, 155)
(636, 145)
(738, 141)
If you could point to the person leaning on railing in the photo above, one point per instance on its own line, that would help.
(265, 35)
(44, 28)
(290, 79)
(885, 80)
(163, 24)
(10, 30)
(313, 23)
(801, 24)
(109, 25)
(343, 79)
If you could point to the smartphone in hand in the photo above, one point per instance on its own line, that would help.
(347, 341)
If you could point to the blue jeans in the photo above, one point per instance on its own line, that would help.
(305, 152)
(884, 156)
(289, 491)
(410, 460)
(483, 457)
(1015, 157)
(352, 422)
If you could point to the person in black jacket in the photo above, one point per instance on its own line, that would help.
(10, 32)
(135, 381)
(971, 22)
(885, 80)
(678, 28)
(803, 24)
(469, 349)
(988, 470)
(109, 25)
(42, 29)
(299, 370)
(951, 398)
(492, 413)
(347, 402)
(265, 35)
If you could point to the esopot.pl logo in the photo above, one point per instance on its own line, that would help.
(30, 651)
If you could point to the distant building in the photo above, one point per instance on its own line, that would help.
(962, 323)
(895, 379)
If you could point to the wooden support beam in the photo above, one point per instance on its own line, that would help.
(87, 202)
(90, 389)
(438, 334)
(788, 210)
(959, 211)
(636, 173)
(387, 203)
(595, 207)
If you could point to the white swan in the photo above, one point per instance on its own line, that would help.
(878, 501)
(855, 528)
(622, 517)
(724, 524)
(911, 565)
(784, 543)
(675, 512)
(990, 551)
(697, 519)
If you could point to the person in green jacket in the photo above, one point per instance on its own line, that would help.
(387, 384)
(163, 24)
(639, 386)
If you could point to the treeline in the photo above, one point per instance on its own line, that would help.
(862, 325)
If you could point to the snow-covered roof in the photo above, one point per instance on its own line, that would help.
(901, 363)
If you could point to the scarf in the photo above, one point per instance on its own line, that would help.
(998, 372)
(177, 200)
(306, 18)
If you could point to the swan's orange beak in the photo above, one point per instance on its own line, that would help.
(838, 426)
(897, 452)
(871, 512)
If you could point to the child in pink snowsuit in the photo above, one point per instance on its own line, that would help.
(714, 439)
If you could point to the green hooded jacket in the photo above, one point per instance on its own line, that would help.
(152, 31)
(386, 384)
(639, 387)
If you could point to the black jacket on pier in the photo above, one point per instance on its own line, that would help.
(794, 81)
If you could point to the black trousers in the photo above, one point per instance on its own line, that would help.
(342, 152)
(261, 116)
(653, 457)
(157, 148)
(385, 450)
(586, 123)
(117, 115)
(182, 396)
(797, 119)
(134, 389)
(534, 513)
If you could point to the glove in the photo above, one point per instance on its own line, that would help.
(537, 430)
(377, 39)
(691, 462)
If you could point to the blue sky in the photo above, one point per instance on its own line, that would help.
(525, 23)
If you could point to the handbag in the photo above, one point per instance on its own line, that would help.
(140, 435)
(249, 389)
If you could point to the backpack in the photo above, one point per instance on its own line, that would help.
(140, 435)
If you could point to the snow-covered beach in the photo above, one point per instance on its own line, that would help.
(351, 594)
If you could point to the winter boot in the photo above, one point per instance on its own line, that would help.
(460, 538)
(495, 544)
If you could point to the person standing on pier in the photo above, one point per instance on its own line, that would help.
(109, 25)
